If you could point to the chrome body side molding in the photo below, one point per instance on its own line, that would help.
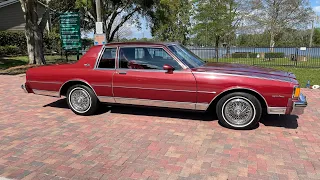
(202, 106)
(106, 99)
(156, 103)
(46, 93)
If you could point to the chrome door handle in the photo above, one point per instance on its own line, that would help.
(122, 72)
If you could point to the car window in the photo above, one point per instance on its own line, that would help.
(108, 58)
(145, 58)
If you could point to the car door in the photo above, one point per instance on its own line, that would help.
(141, 80)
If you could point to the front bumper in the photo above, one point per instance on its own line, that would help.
(299, 105)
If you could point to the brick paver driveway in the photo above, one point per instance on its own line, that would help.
(40, 138)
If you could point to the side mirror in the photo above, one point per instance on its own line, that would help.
(168, 68)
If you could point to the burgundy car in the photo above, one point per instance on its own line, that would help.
(168, 75)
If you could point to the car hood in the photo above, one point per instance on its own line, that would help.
(240, 69)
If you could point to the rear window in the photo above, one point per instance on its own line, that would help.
(108, 59)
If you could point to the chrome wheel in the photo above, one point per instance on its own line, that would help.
(238, 111)
(80, 100)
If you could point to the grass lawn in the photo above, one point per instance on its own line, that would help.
(18, 65)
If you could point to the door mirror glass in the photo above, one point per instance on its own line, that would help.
(168, 68)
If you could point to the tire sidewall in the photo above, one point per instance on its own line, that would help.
(252, 100)
(93, 100)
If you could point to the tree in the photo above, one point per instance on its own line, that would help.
(316, 37)
(275, 16)
(171, 21)
(34, 30)
(112, 9)
(215, 20)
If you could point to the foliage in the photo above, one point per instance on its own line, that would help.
(215, 20)
(9, 51)
(276, 16)
(171, 21)
(316, 37)
(244, 55)
(274, 55)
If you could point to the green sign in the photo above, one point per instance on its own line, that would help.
(70, 31)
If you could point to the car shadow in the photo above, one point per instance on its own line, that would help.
(283, 121)
(144, 111)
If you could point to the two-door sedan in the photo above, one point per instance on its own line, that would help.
(168, 75)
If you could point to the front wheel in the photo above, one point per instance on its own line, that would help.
(239, 110)
(82, 100)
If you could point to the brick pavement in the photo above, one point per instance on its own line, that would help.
(40, 138)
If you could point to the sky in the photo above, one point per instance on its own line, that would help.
(146, 32)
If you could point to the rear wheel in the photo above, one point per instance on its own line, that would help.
(82, 100)
(239, 110)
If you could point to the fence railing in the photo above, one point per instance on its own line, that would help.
(296, 57)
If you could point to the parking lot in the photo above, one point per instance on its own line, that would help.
(40, 138)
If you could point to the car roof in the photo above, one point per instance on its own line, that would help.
(141, 43)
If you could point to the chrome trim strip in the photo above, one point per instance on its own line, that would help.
(207, 92)
(202, 106)
(101, 85)
(46, 93)
(46, 82)
(156, 89)
(277, 96)
(239, 88)
(277, 110)
(197, 72)
(153, 70)
(106, 99)
(80, 81)
(157, 103)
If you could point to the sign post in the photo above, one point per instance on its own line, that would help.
(70, 32)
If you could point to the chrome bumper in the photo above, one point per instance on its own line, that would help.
(299, 106)
(23, 86)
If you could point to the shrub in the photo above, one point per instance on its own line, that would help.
(9, 51)
(239, 55)
(274, 55)
(253, 55)
(244, 55)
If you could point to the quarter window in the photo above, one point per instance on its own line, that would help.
(108, 58)
(145, 58)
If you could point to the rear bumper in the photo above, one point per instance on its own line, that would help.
(23, 87)
(300, 105)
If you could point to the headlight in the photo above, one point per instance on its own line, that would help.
(296, 92)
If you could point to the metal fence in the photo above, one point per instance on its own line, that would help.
(295, 57)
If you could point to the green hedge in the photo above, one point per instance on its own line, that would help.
(274, 55)
(17, 39)
(244, 55)
(9, 50)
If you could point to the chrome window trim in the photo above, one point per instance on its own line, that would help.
(46, 93)
(277, 110)
(239, 88)
(157, 89)
(96, 66)
(182, 65)
(45, 82)
(197, 72)
(155, 70)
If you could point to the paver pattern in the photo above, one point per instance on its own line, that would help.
(40, 138)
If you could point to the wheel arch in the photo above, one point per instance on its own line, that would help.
(64, 88)
(259, 96)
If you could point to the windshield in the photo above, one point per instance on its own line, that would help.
(186, 56)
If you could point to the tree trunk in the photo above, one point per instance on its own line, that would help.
(217, 47)
(272, 42)
(34, 34)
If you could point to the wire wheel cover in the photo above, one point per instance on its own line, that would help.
(238, 111)
(80, 100)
